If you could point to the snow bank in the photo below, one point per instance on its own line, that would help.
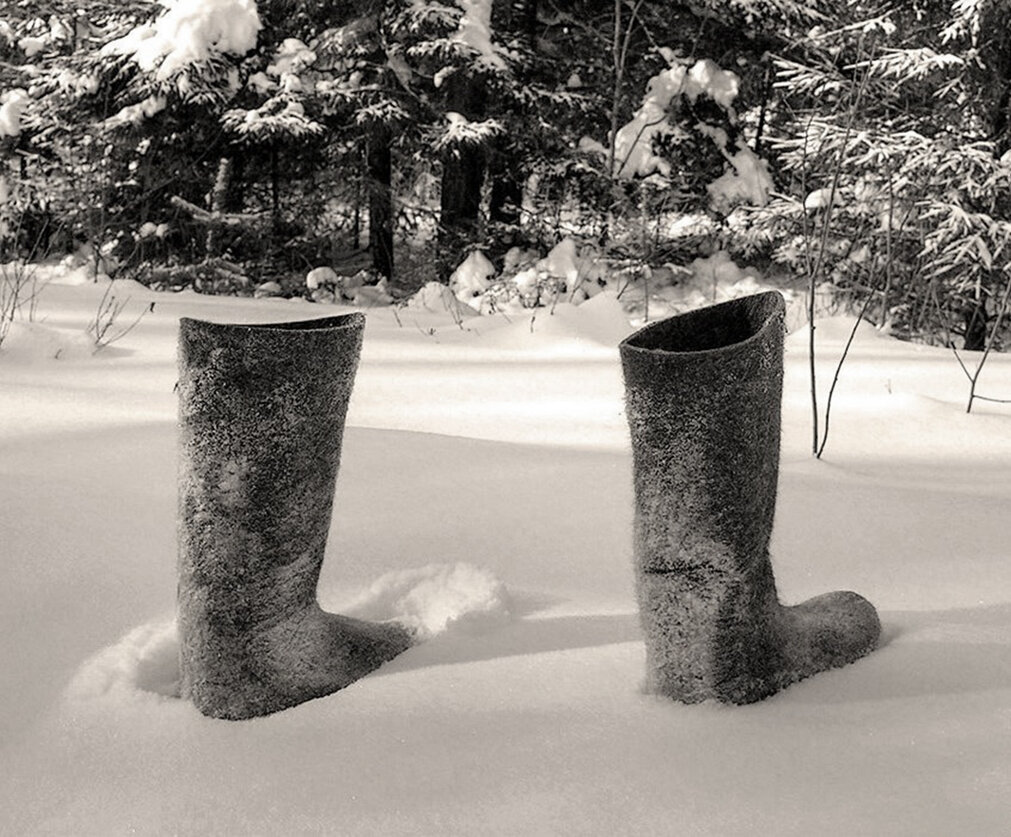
(32, 342)
(592, 327)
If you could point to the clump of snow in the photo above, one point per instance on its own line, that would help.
(291, 56)
(135, 114)
(431, 600)
(633, 144)
(721, 275)
(434, 296)
(12, 105)
(32, 46)
(747, 180)
(319, 277)
(77, 84)
(188, 32)
(471, 278)
(142, 666)
(149, 229)
(474, 31)
(561, 261)
(708, 79)
(821, 198)
(589, 145)
(371, 296)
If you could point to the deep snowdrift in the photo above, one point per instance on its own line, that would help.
(484, 491)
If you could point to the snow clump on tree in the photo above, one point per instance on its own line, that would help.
(746, 181)
(189, 32)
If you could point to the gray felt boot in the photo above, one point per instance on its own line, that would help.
(703, 394)
(261, 421)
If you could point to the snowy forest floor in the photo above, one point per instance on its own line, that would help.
(500, 445)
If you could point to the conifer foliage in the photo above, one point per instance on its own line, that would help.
(863, 146)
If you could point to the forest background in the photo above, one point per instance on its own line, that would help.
(228, 145)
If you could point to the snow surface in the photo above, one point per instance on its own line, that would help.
(485, 489)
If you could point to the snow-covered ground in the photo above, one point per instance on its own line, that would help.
(487, 468)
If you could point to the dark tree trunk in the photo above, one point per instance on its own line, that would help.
(462, 177)
(504, 169)
(235, 198)
(379, 165)
(976, 319)
(275, 190)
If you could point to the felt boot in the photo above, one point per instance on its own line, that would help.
(703, 393)
(262, 413)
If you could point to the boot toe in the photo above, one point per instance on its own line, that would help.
(831, 630)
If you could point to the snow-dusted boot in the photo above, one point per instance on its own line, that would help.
(703, 393)
(261, 422)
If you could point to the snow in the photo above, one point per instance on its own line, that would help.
(471, 277)
(634, 142)
(12, 104)
(474, 32)
(562, 261)
(822, 199)
(188, 32)
(485, 487)
(137, 113)
(707, 78)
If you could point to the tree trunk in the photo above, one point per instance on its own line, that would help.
(462, 177)
(507, 176)
(219, 201)
(379, 165)
(976, 319)
(506, 187)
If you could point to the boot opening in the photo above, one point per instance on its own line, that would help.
(715, 327)
(342, 321)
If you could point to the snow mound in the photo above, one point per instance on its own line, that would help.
(838, 330)
(434, 296)
(472, 277)
(434, 599)
(142, 666)
(34, 342)
(601, 320)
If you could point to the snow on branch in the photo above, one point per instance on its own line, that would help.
(474, 32)
(279, 116)
(135, 114)
(226, 219)
(907, 64)
(461, 131)
(189, 32)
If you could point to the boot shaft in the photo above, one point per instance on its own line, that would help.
(261, 417)
(703, 395)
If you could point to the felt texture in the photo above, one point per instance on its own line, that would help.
(703, 393)
(261, 421)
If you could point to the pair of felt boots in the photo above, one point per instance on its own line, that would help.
(262, 413)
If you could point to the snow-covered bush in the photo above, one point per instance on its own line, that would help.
(894, 143)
